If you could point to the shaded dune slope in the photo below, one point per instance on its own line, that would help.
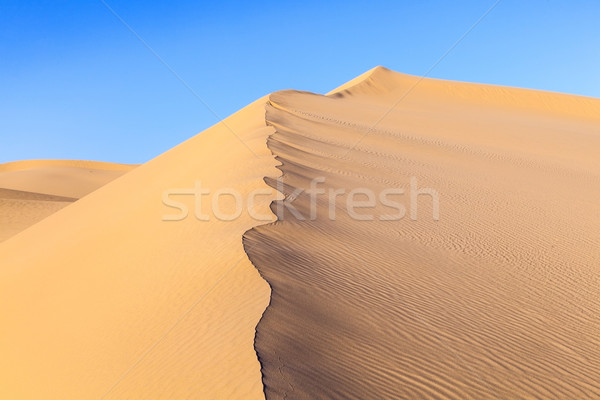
(499, 298)
(19, 210)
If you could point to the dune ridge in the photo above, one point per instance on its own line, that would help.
(498, 298)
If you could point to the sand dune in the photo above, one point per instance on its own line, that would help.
(34, 189)
(496, 298)
(499, 298)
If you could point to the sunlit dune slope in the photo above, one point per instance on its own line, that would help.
(498, 298)
(34, 189)
(106, 300)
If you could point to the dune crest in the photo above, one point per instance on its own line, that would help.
(499, 298)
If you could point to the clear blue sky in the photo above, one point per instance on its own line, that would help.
(75, 83)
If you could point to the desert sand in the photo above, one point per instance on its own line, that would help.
(497, 297)
(31, 190)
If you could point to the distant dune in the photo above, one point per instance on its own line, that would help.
(33, 189)
(480, 280)
(67, 178)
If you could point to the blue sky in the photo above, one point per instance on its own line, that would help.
(76, 83)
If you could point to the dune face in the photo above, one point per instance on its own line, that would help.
(109, 299)
(496, 297)
(34, 189)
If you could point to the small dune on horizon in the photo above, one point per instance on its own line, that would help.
(31, 190)
(472, 272)
(65, 178)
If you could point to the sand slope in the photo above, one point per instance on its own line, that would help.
(105, 300)
(499, 298)
(34, 189)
